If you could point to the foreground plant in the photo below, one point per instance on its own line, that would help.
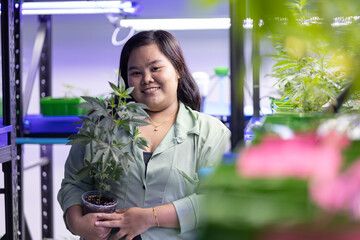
(107, 120)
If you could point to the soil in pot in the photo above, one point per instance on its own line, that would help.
(91, 203)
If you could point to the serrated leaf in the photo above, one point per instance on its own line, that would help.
(82, 173)
(284, 62)
(141, 143)
(89, 99)
(84, 132)
(137, 122)
(287, 67)
(98, 156)
(114, 87)
(85, 105)
(121, 84)
(78, 139)
(115, 156)
(128, 91)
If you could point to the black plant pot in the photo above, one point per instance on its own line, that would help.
(107, 205)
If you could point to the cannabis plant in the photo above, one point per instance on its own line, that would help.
(108, 119)
(308, 73)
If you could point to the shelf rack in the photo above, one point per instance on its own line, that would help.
(10, 52)
(16, 130)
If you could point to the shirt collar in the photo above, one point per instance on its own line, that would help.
(186, 123)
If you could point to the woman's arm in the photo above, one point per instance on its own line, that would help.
(134, 221)
(84, 225)
(166, 216)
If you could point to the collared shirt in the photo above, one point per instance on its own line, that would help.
(196, 140)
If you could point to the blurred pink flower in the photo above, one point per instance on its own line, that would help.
(310, 157)
(305, 156)
(341, 193)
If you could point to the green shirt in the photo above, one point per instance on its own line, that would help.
(196, 140)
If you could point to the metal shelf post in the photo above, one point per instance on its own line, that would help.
(46, 150)
(9, 117)
(237, 71)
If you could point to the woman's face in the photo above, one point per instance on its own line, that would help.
(154, 78)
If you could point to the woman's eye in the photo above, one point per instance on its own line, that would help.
(154, 69)
(134, 73)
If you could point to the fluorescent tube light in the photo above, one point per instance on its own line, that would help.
(176, 23)
(68, 11)
(78, 7)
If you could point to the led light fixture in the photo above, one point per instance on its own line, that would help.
(79, 7)
(176, 23)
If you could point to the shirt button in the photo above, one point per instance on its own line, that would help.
(144, 187)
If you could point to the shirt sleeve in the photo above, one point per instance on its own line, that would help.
(188, 212)
(71, 189)
(188, 209)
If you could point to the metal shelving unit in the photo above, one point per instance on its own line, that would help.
(10, 51)
(19, 132)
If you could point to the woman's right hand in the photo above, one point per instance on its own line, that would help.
(84, 225)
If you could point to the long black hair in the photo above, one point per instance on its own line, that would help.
(188, 91)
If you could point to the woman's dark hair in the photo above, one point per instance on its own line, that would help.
(188, 91)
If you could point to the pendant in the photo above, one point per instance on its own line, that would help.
(155, 129)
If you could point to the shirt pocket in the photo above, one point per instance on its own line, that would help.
(188, 181)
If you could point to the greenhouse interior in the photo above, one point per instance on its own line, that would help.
(201, 119)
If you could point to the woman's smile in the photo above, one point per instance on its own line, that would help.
(151, 90)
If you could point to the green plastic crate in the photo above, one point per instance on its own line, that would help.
(61, 106)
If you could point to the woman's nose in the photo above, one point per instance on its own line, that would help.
(147, 78)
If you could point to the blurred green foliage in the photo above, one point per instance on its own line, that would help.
(283, 16)
(240, 208)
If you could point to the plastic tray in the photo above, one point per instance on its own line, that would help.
(4, 135)
(38, 124)
(61, 106)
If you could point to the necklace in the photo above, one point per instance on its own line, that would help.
(156, 126)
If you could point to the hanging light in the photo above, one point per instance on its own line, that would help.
(79, 7)
(176, 23)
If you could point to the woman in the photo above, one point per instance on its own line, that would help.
(159, 196)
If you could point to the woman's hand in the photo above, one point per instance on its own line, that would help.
(84, 225)
(131, 221)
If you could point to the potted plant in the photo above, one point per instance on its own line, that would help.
(106, 119)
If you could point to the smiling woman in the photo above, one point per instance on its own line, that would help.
(159, 197)
(154, 78)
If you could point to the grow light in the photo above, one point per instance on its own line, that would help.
(78, 7)
(176, 23)
(343, 21)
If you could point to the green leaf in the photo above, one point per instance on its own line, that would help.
(284, 62)
(78, 139)
(98, 155)
(86, 105)
(89, 99)
(82, 173)
(114, 87)
(141, 143)
(287, 67)
(137, 122)
(128, 91)
(115, 156)
(121, 84)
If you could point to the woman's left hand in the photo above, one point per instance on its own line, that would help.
(131, 221)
